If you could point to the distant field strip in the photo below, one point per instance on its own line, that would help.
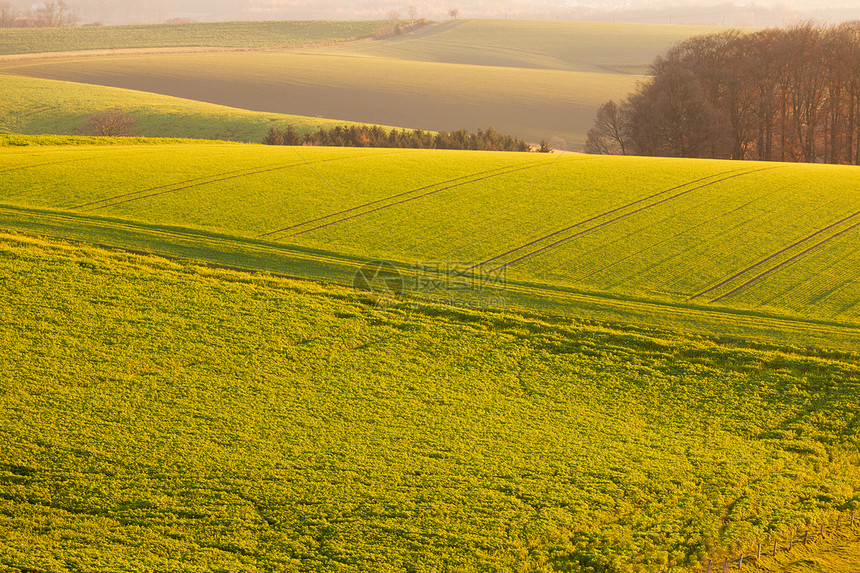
(610, 221)
(208, 34)
(582, 46)
(469, 180)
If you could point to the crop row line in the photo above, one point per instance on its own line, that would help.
(94, 205)
(722, 245)
(784, 263)
(669, 239)
(377, 201)
(174, 234)
(32, 165)
(614, 219)
(191, 183)
(137, 150)
(593, 218)
(756, 320)
(474, 178)
(769, 258)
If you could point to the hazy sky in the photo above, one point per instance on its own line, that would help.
(659, 10)
(730, 12)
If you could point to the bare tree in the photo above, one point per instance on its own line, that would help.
(8, 15)
(112, 123)
(413, 15)
(394, 22)
(53, 15)
(807, 79)
(453, 12)
(557, 143)
(850, 36)
(607, 136)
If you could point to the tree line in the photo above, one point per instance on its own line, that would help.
(396, 27)
(773, 95)
(376, 136)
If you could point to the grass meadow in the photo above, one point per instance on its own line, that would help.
(159, 415)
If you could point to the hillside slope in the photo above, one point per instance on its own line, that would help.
(532, 104)
(37, 106)
(741, 245)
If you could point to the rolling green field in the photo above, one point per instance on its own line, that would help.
(37, 106)
(565, 362)
(717, 247)
(163, 416)
(210, 34)
(536, 80)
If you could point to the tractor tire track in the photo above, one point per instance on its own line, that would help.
(667, 240)
(77, 159)
(786, 262)
(368, 204)
(601, 215)
(408, 199)
(624, 216)
(171, 234)
(225, 177)
(598, 216)
(156, 188)
(770, 257)
(673, 237)
(33, 165)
